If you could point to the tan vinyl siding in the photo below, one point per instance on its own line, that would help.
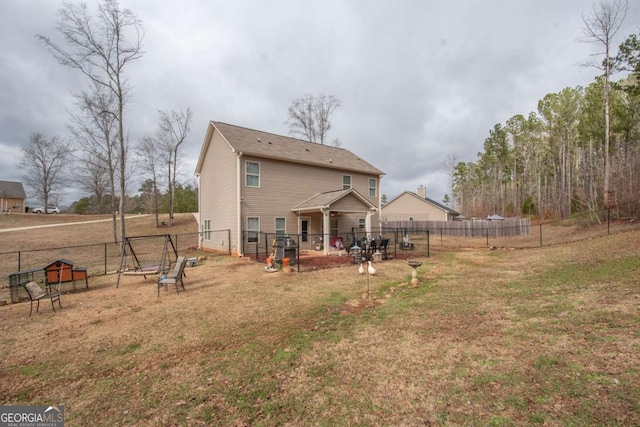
(219, 192)
(349, 203)
(407, 205)
(12, 205)
(283, 185)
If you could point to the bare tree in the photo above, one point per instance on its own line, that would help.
(600, 28)
(150, 154)
(44, 161)
(102, 50)
(174, 129)
(92, 176)
(310, 117)
(94, 129)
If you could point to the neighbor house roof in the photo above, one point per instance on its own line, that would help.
(427, 200)
(13, 190)
(268, 145)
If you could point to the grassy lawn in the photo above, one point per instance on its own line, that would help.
(545, 336)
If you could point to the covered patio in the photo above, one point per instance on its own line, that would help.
(332, 215)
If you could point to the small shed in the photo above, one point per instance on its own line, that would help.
(64, 271)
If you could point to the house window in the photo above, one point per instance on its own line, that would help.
(253, 229)
(281, 226)
(253, 174)
(206, 229)
(361, 224)
(410, 218)
(333, 226)
(346, 182)
(372, 187)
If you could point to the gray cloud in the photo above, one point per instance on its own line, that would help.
(419, 81)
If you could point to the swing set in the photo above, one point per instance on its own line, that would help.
(134, 264)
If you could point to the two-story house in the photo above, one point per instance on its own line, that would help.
(252, 182)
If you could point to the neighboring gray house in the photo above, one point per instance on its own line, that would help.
(12, 197)
(253, 182)
(410, 206)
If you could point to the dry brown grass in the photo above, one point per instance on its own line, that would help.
(545, 336)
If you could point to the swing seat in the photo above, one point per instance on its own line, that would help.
(156, 266)
(146, 269)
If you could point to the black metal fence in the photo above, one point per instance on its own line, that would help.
(99, 259)
(403, 242)
(303, 251)
(414, 241)
(519, 234)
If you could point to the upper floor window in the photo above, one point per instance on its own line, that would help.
(253, 174)
(346, 182)
(372, 187)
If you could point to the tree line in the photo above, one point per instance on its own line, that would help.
(149, 200)
(578, 152)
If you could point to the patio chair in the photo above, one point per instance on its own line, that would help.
(174, 277)
(36, 293)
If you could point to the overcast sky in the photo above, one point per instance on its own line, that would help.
(418, 80)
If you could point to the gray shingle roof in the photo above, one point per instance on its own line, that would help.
(13, 190)
(323, 200)
(268, 145)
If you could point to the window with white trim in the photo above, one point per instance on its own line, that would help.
(253, 229)
(361, 223)
(253, 174)
(346, 182)
(206, 229)
(372, 187)
(281, 226)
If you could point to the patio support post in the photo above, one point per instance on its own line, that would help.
(367, 223)
(325, 230)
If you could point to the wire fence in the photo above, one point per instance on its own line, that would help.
(419, 240)
(307, 251)
(98, 259)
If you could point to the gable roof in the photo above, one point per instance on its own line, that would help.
(270, 146)
(426, 200)
(11, 189)
(326, 199)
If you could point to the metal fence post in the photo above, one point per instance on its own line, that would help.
(540, 234)
(105, 258)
